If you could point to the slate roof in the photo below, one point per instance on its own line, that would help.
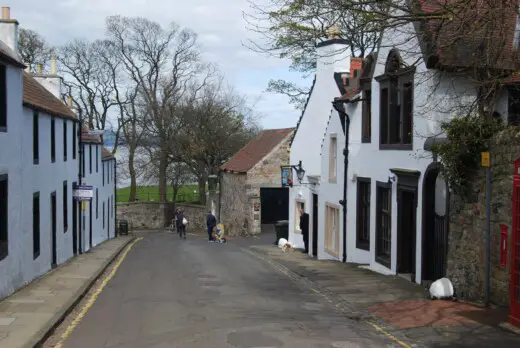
(37, 97)
(247, 157)
(89, 138)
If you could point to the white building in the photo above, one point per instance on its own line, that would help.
(39, 166)
(332, 67)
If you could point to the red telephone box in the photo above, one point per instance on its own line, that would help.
(514, 310)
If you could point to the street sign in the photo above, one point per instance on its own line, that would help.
(83, 193)
(485, 159)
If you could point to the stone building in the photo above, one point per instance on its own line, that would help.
(251, 194)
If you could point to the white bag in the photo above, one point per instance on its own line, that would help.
(184, 221)
(441, 288)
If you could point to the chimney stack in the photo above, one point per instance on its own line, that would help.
(39, 68)
(54, 69)
(9, 30)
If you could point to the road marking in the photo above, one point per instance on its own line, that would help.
(95, 295)
(287, 272)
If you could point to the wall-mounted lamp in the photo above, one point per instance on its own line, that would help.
(300, 172)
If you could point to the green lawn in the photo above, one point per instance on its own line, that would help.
(151, 193)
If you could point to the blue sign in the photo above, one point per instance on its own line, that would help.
(286, 176)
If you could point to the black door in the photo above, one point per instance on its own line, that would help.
(314, 224)
(274, 204)
(407, 211)
(435, 226)
(74, 226)
(90, 224)
(54, 251)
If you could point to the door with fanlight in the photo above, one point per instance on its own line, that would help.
(514, 310)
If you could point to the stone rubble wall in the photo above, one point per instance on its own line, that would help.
(233, 202)
(466, 248)
(156, 216)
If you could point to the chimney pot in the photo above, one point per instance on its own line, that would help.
(6, 13)
(39, 68)
(54, 69)
(69, 101)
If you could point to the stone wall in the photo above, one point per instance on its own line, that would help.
(233, 202)
(155, 215)
(466, 248)
(266, 173)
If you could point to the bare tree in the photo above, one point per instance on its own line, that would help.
(33, 48)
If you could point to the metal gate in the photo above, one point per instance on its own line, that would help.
(514, 310)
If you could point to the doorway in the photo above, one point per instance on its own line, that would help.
(435, 225)
(315, 225)
(514, 292)
(54, 251)
(274, 204)
(407, 188)
(90, 224)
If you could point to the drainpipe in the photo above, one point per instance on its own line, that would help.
(338, 105)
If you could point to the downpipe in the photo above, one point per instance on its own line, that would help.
(338, 106)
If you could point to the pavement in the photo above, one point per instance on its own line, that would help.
(166, 292)
(29, 314)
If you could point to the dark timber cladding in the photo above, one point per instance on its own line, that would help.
(407, 193)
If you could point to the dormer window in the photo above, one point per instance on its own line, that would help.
(396, 104)
(365, 83)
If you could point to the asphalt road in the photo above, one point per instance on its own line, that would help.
(190, 293)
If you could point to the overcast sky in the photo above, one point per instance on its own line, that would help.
(219, 24)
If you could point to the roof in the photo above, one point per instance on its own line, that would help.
(89, 138)
(37, 97)
(106, 155)
(247, 157)
(303, 111)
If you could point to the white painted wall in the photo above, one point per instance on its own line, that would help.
(306, 145)
(331, 192)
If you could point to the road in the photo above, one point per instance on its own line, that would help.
(190, 293)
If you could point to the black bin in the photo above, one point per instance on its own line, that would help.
(282, 230)
(123, 227)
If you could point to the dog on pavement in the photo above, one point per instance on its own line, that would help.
(284, 245)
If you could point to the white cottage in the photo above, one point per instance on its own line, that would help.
(397, 202)
(332, 69)
(38, 165)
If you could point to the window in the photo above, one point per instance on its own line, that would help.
(363, 214)
(36, 138)
(97, 159)
(74, 139)
(108, 212)
(97, 203)
(90, 158)
(36, 225)
(366, 118)
(4, 211)
(108, 172)
(103, 214)
(333, 155)
(64, 141)
(103, 172)
(299, 206)
(65, 207)
(332, 230)
(513, 106)
(53, 140)
(82, 160)
(3, 98)
(396, 105)
(384, 224)
(113, 205)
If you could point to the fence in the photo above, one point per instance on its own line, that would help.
(182, 197)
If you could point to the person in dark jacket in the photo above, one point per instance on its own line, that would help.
(178, 222)
(182, 226)
(304, 227)
(211, 222)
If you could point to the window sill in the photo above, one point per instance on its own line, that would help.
(333, 181)
(3, 129)
(36, 255)
(331, 252)
(363, 246)
(400, 147)
(366, 141)
(36, 162)
(383, 261)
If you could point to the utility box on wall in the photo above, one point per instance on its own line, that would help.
(503, 245)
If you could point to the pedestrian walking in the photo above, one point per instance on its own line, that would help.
(183, 224)
(304, 227)
(178, 221)
(211, 223)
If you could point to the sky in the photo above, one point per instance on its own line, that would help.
(221, 29)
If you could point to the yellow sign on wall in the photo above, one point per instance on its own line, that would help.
(84, 205)
(485, 159)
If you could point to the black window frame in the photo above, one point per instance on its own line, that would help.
(97, 158)
(108, 172)
(384, 237)
(103, 214)
(36, 137)
(97, 203)
(113, 206)
(82, 159)
(90, 158)
(65, 206)
(74, 140)
(3, 98)
(393, 120)
(53, 140)
(65, 141)
(4, 216)
(365, 84)
(103, 172)
(364, 191)
(36, 225)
